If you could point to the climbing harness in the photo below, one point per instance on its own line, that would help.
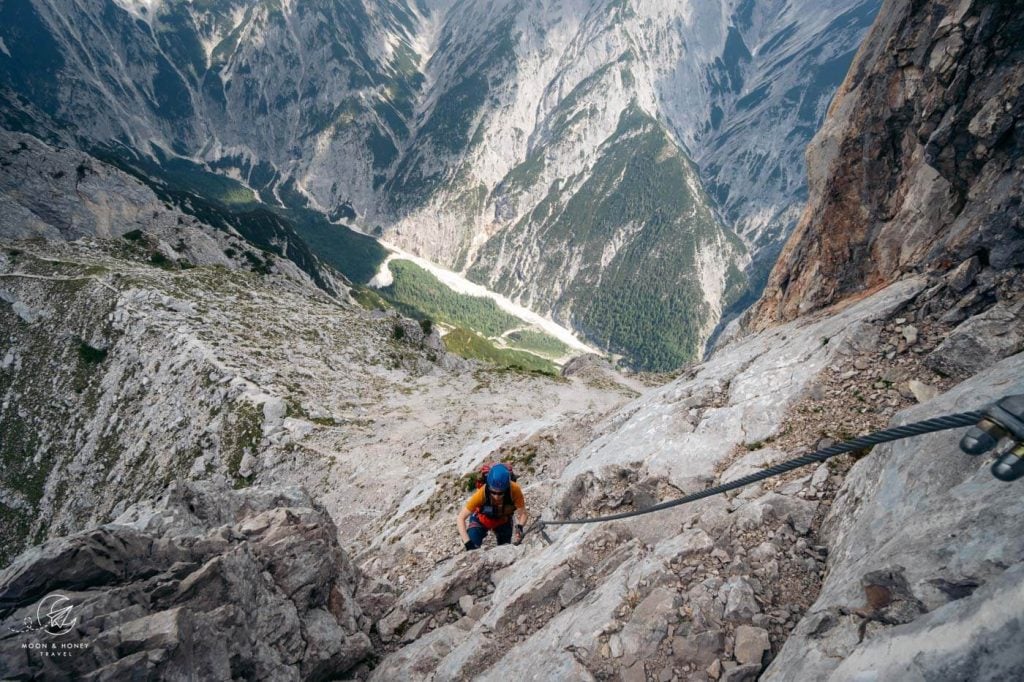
(1000, 426)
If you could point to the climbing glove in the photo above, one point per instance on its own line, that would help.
(517, 537)
(469, 545)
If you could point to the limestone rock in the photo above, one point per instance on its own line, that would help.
(446, 588)
(980, 341)
(416, 661)
(890, 192)
(964, 274)
(391, 623)
(686, 544)
(751, 643)
(738, 596)
(649, 624)
(743, 673)
(752, 463)
(775, 507)
(921, 391)
(224, 572)
(937, 563)
(699, 650)
(570, 591)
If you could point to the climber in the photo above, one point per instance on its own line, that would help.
(494, 506)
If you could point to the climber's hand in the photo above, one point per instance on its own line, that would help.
(517, 537)
(469, 545)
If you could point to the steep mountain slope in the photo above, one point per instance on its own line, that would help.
(471, 132)
(252, 87)
(534, 115)
(739, 86)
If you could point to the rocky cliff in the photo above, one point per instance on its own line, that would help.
(917, 167)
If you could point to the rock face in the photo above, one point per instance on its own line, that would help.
(922, 544)
(918, 164)
(715, 585)
(205, 583)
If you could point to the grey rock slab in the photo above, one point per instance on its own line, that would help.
(648, 626)
(464, 661)
(456, 578)
(571, 590)
(743, 673)
(633, 673)
(418, 660)
(976, 637)
(544, 654)
(539, 576)
(684, 545)
(765, 373)
(698, 649)
(794, 486)
(776, 508)
(921, 505)
(415, 631)
(752, 463)
(980, 341)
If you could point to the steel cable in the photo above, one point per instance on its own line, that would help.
(951, 421)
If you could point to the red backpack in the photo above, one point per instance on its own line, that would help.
(481, 475)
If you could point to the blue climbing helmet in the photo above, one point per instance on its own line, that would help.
(498, 478)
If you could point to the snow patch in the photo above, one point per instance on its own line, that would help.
(3, 48)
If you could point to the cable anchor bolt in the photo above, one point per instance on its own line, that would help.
(1001, 430)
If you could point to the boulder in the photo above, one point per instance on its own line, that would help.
(688, 543)
(418, 660)
(738, 596)
(980, 341)
(464, 574)
(778, 508)
(751, 643)
(699, 650)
